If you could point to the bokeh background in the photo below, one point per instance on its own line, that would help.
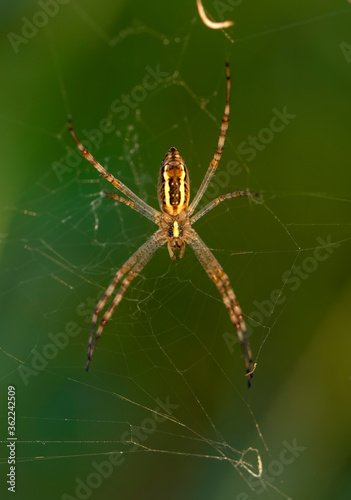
(101, 434)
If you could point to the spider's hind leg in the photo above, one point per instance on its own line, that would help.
(221, 280)
(130, 269)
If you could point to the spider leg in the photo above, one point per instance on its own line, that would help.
(130, 269)
(217, 156)
(207, 22)
(140, 205)
(221, 280)
(127, 202)
(218, 200)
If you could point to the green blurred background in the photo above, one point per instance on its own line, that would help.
(171, 338)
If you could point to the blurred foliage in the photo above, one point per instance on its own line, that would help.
(62, 241)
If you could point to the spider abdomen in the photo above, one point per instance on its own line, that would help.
(173, 184)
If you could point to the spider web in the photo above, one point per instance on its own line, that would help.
(164, 411)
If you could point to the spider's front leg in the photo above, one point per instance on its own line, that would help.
(136, 203)
(219, 200)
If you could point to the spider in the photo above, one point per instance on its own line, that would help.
(175, 223)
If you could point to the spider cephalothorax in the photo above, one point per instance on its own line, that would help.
(175, 228)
